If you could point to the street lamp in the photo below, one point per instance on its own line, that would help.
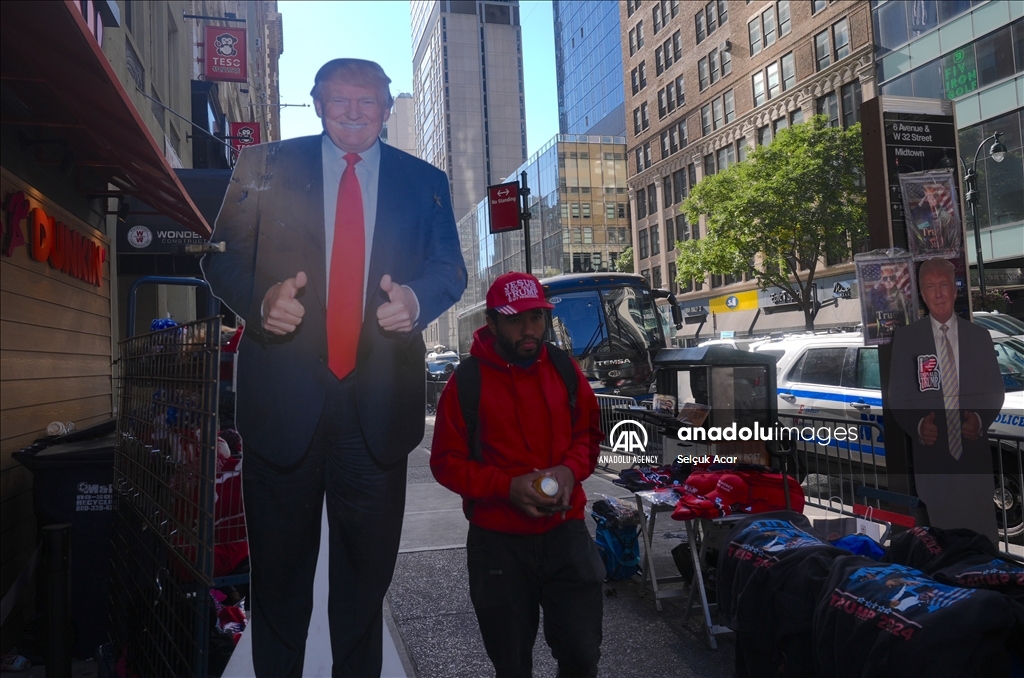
(998, 152)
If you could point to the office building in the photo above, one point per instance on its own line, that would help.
(972, 53)
(400, 129)
(470, 102)
(707, 82)
(468, 86)
(588, 67)
(579, 218)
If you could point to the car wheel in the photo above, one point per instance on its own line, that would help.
(1009, 505)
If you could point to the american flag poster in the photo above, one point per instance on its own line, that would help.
(888, 297)
(932, 212)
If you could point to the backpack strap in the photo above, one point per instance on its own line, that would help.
(567, 370)
(467, 382)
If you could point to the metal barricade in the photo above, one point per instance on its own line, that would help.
(831, 470)
(164, 484)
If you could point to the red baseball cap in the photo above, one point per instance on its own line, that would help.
(514, 293)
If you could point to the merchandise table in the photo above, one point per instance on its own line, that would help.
(702, 531)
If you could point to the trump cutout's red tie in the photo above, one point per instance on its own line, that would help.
(345, 287)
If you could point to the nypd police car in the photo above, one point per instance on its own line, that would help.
(834, 376)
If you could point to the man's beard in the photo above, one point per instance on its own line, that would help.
(511, 350)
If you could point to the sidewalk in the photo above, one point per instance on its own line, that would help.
(434, 629)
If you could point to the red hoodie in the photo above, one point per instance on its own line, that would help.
(524, 424)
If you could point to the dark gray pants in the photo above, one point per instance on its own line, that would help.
(512, 576)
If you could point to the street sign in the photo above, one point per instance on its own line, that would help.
(503, 201)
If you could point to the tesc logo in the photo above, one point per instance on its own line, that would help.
(628, 436)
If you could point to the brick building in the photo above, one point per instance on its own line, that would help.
(708, 82)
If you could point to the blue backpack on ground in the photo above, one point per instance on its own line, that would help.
(619, 548)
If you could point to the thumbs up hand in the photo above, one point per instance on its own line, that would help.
(400, 312)
(927, 429)
(282, 311)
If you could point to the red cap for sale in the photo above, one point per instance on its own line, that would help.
(514, 293)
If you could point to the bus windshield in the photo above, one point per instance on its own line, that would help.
(619, 319)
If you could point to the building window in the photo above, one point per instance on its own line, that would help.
(713, 65)
(709, 164)
(785, 24)
(636, 121)
(641, 203)
(670, 96)
(754, 35)
(629, 8)
(764, 135)
(665, 152)
(677, 46)
(662, 109)
(634, 77)
(632, 41)
(779, 125)
(639, 159)
(680, 92)
(588, 231)
(656, 280)
(673, 286)
(659, 61)
(655, 241)
(691, 174)
(841, 38)
(644, 247)
(700, 26)
(666, 191)
(759, 91)
(768, 20)
(682, 228)
(652, 199)
(684, 137)
(656, 17)
(678, 186)
(726, 157)
(788, 71)
(828, 106)
(774, 84)
(670, 235)
(822, 53)
(639, 34)
(586, 212)
(730, 107)
(851, 103)
(741, 149)
(705, 120)
(817, 6)
(675, 8)
(717, 112)
(702, 74)
(645, 121)
(667, 49)
(796, 117)
(647, 155)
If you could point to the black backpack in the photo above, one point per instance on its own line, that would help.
(467, 380)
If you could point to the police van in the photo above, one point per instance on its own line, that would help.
(834, 376)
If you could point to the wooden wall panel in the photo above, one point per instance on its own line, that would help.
(38, 365)
(28, 311)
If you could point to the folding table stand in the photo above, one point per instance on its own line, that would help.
(706, 532)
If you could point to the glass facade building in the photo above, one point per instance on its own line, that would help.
(580, 220)
(970, 51)
(588, 66)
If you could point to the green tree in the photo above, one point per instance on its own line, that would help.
(790, 203)
(624, 264)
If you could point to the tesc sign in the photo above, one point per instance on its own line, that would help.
(503, 200)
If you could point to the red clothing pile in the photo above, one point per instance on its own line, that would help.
(524, 424)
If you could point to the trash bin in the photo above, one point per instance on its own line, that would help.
(73, 479)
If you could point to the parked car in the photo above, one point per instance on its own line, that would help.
(1000, 322)
(440, 366)
(836, 376)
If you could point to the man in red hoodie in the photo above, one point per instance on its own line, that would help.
(525, 549)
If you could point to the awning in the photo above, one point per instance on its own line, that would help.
(736, 321)
(846, 314)
(57, 80)
(206, 187)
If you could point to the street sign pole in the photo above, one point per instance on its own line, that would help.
(524, 215)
